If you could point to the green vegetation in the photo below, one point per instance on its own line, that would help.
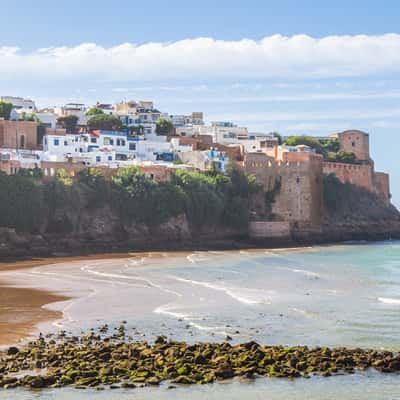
(31, 117)
(105, 122)
(329, 148)
(330, 145)
(305, 140)
(342, 156)
(278, 136)
(68, 122)
(5, 109)
(30, 204)
(94, 111)
(136, 130)
(164, 127)
(332, 189)
(20, 202)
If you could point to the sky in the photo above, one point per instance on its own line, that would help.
(297, 67)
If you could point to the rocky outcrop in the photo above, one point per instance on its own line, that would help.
(96, 361)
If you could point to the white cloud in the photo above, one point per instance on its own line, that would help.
(202, 58)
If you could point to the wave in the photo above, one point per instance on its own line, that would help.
(148, 282)
(197, 257)
(303, 271)
(389, 300)
(228, 291)
(309, 314)
(169, 310)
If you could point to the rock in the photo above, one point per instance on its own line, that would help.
(183, 380)
(225, 371)
(12, 351)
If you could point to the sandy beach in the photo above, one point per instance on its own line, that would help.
(23, 309)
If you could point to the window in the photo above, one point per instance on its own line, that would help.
(353, 144)
(65, 143)
(106, 141)
(22, 141)
(118, 142)
(56, 142)
(109, 158)
(93, 140)
(111, 142)
(123, 142)
(132, 146)
(98, 158)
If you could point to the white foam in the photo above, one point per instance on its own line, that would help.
(388, 300)
(129, 277)
(170, 310)
(304, 272)
(197, 257)
(231, 292)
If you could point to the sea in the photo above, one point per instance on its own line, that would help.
(341, 295)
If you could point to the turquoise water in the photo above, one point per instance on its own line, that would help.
(346, 295)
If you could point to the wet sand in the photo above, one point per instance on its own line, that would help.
(22, 309)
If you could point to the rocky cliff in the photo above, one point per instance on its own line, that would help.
(351, 213)
(100, 231)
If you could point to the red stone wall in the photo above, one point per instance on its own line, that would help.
(18, 134)
(360, 175)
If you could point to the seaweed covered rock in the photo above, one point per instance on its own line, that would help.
(93, 361)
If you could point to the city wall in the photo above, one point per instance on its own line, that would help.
(296, 186)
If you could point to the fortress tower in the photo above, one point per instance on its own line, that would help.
(356, 142)
(361, 173)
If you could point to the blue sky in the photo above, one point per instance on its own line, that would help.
(319, 76)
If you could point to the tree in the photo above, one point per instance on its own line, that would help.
(305, 140)
(105, 122)
(278, 136)
(68, 122)
(136, 130)
(346, 157)
(28, 117)
(164, 127)
(94, 111)
(5, 109)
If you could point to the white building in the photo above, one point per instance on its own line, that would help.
(224, 132)
(195, 118)
(20, 102)
(105, 147)
(77, 109)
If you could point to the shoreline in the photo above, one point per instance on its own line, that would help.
(23, 309)
(30, 303)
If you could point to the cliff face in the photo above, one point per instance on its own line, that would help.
(352, 213)
(100, 231)
(359, 215)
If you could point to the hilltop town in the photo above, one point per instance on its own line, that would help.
(297, 174)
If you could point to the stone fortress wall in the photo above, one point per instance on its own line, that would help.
(296, 185)
(362, 173)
